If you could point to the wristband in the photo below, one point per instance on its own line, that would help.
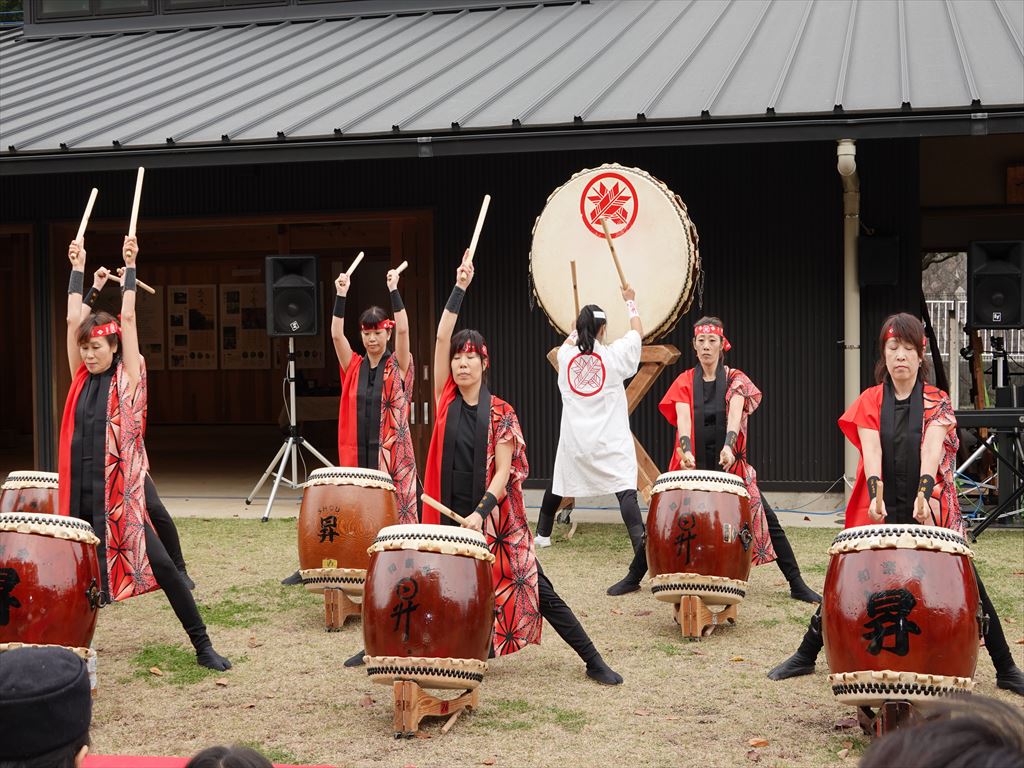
(128, 279)
(685, 444)
(631, 308)
(455, 300)
(396, 301)
(339, 307)
(730, 439)
(76, 283)
(873, 486)
(90, 297)
(487, 504)
(926, 486)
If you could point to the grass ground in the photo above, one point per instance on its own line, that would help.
(683, 703)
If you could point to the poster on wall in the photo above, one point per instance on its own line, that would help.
(192, 327)
(149, 314)
(243, 326)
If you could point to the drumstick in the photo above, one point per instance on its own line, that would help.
(135, 202)
(87, 214)
(116, 277)
(443, 509)
(479, 226)
(611, 247)
(575, 291)
(354, 264)
(401, 267)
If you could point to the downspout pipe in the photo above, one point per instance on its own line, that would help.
(846, 164)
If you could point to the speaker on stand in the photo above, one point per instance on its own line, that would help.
(293, 309)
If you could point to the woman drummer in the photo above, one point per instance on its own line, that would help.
(709, 406)
(102, 457)
(476, 465)
(596, 454)
(905, 430)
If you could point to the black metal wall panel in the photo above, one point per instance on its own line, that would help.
(770, 223)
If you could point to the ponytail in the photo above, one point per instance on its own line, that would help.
(587, 327)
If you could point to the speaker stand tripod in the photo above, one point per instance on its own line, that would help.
(290, 448)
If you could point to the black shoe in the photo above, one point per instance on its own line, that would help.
(291, 581)
(187, 579)
(599, 671)
(356, 661)
(207, 657)
(624, 587)
(799, 590)
(795, 666)
(1011, 679)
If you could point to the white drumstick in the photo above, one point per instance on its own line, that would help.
(87, 214)
(135, 202)
(479, 226)
(401, 267)
(354, 264)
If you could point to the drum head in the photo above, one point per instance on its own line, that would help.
(365, 478)
(700, 480)
(446, 539)
(655, 241)
(56, 526)
(30, 479)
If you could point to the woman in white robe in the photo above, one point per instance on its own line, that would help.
(595, 445)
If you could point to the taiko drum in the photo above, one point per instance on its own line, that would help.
(342, 510)
(34, 492)
(901, 616)
(699, 537)
(428, 607)
(49, 580)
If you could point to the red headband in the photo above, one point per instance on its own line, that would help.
(470, 348)
(110, 329)
(891, 334)
(383, 325)
(715, 329)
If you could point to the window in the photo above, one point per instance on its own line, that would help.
(59, 9)
(185, 5)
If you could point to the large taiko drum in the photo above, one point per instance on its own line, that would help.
(699, 537)
(654, 239)
(428, 608)
(342, 510)
(901, 616)
(34, 492)
(49, 581)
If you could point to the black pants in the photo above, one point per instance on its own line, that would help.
(170, 580)
(561, 617)
(995, 640)
(786, 559)
(629, 508)
(163, 524)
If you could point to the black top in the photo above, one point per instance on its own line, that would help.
(462, 460)
(901, 512)
(711, 450)
(370, 447)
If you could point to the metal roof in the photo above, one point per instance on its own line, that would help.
(601, 65)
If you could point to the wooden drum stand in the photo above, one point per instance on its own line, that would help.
(337, 608)
(412, 704)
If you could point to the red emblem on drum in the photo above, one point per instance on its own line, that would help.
(609, 196)
(586, 374)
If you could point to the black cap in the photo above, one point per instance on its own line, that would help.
(45, 702)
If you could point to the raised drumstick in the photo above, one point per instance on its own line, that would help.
(575, 290)
(431, 502)
(86, 215)
(479, 225)
(135, 202)
(401, 267)
(611, 247)
(116, 277)
(354, 264)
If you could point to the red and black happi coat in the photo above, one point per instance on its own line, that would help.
(128, 570)
(928, 405)
(731, 382)
(517, 621)
(390, 435)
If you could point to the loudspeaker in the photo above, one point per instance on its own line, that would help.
(293, 295)
(878, 260)
(995, 284)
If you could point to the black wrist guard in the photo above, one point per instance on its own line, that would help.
(455, 300)
(926, 486)
(339, 307)
(90, 297)
(873, 486)
(486, 505)
(396, 301)
(685, 444)
(730, 439)
(76, 283)
(128, 279)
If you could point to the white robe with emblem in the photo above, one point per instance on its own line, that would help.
(595, 445)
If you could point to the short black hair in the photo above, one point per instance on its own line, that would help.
(229, 757)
